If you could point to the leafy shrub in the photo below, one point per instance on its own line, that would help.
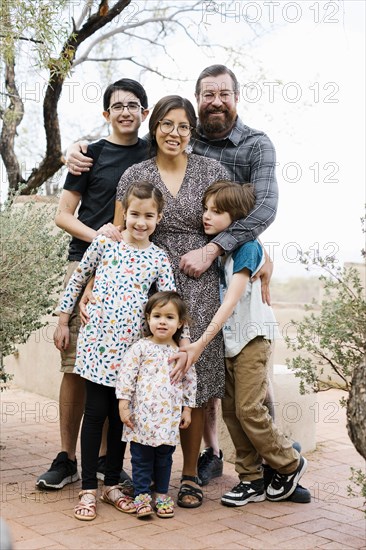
(33, 255)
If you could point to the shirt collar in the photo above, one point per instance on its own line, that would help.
(234, 135)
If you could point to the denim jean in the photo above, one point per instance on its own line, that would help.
(151, 464)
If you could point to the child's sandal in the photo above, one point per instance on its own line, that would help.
(164, 507)
(88, 504)
(143, 506)
(122, 503)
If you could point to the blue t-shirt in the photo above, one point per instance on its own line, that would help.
(248, 255)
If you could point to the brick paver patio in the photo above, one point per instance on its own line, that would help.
(29, 441)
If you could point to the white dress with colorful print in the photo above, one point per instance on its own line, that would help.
(124, 275)
(155, 403)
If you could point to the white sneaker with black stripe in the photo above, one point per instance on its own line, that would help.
(283, 485)
(244, 492)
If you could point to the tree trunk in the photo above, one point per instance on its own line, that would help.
(12, 117)
(356, 409)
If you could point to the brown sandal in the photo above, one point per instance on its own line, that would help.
(90, 506)
(120, 501)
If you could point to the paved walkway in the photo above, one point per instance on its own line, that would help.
(29, 441)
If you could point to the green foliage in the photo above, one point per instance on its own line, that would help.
(358, 479)
(33, 256)
(336, 335)
(35, 26)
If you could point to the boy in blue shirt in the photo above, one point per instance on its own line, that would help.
(249, 326)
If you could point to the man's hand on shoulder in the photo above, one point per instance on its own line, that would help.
(76, 161)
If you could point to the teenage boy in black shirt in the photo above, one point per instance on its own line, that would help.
(125, 108)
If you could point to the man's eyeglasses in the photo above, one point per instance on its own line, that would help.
(167, 127)
(209, 97)
(131, 106)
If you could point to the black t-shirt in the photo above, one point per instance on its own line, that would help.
(98, 187)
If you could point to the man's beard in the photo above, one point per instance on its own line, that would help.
(217, 125)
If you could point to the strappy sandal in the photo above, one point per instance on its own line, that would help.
(120, 501)
(187, 490)
(143, 506)
(90, 506)
(164, 507)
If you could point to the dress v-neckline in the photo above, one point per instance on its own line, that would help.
(164, 184)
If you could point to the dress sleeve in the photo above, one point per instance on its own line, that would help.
(82, 274)
(189, 384)
(127, 374)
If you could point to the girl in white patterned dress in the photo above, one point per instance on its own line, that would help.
(152, 409)
(125, 272)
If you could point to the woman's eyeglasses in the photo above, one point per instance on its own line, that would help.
(167, 127)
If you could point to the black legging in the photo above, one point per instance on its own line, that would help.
(101, 402)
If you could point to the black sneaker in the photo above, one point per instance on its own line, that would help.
(244, 492)
(62, 471)
(124, 479)
(209, 465)
(300, 495)
(283, 485)
(269, 472)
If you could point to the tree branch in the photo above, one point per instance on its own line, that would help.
(53, 159)
(25, 39)
(142, 65)
(334, 367)
(123, 28)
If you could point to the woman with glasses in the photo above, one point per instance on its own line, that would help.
(182, 178)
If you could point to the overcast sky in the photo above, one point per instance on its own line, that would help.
(305, 87)
(302, 82)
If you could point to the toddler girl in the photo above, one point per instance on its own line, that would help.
(125, 272)
(151, 407)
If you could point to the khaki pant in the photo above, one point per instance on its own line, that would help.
(251, 428)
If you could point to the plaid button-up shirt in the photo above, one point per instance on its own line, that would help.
(250, 157)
